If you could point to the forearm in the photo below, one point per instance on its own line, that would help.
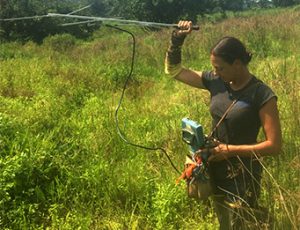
(265, 148)
(173, 56)
(224, 151)
(174, 68)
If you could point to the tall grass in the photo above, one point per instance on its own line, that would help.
(62, 163)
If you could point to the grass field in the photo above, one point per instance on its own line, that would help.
(62, 163)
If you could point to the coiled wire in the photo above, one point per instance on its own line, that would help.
(119, 131)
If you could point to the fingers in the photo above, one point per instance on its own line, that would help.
(219, 153)
(185, 27)
(215, 142)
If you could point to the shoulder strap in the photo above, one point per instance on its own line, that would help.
(222, 118)
(230, 107)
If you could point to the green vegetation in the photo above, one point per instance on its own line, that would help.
(62, 164)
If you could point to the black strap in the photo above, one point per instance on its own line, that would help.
(222, 118)
(230, 107)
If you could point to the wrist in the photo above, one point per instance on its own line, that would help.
(177, 39)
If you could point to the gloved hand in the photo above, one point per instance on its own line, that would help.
(178, 35)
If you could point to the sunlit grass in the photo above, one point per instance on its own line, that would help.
(63, 165)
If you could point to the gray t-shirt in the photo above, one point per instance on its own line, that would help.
(242, 123)
(240, 126)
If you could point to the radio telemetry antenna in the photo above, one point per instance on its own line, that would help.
(88, 19)
(116, 20)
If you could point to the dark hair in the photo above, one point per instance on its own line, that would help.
(230, 49)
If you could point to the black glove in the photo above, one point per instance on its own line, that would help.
(177, 39)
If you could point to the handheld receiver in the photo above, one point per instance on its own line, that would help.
(192, 134)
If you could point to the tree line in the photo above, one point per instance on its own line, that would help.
(168, 11)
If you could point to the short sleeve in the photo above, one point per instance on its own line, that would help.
(263, 94)
(207, 78)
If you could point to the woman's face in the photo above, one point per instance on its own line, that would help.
(224, 70)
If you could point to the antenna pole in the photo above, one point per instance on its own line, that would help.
(123, 21)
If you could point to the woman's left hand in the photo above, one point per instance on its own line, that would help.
(219, 153)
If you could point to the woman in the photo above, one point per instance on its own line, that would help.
(234, 166)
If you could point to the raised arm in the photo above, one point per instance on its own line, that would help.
(173, 66)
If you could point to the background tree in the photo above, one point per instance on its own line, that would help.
(37, 29)
(284, 2)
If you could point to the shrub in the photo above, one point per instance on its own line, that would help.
(60, 42)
